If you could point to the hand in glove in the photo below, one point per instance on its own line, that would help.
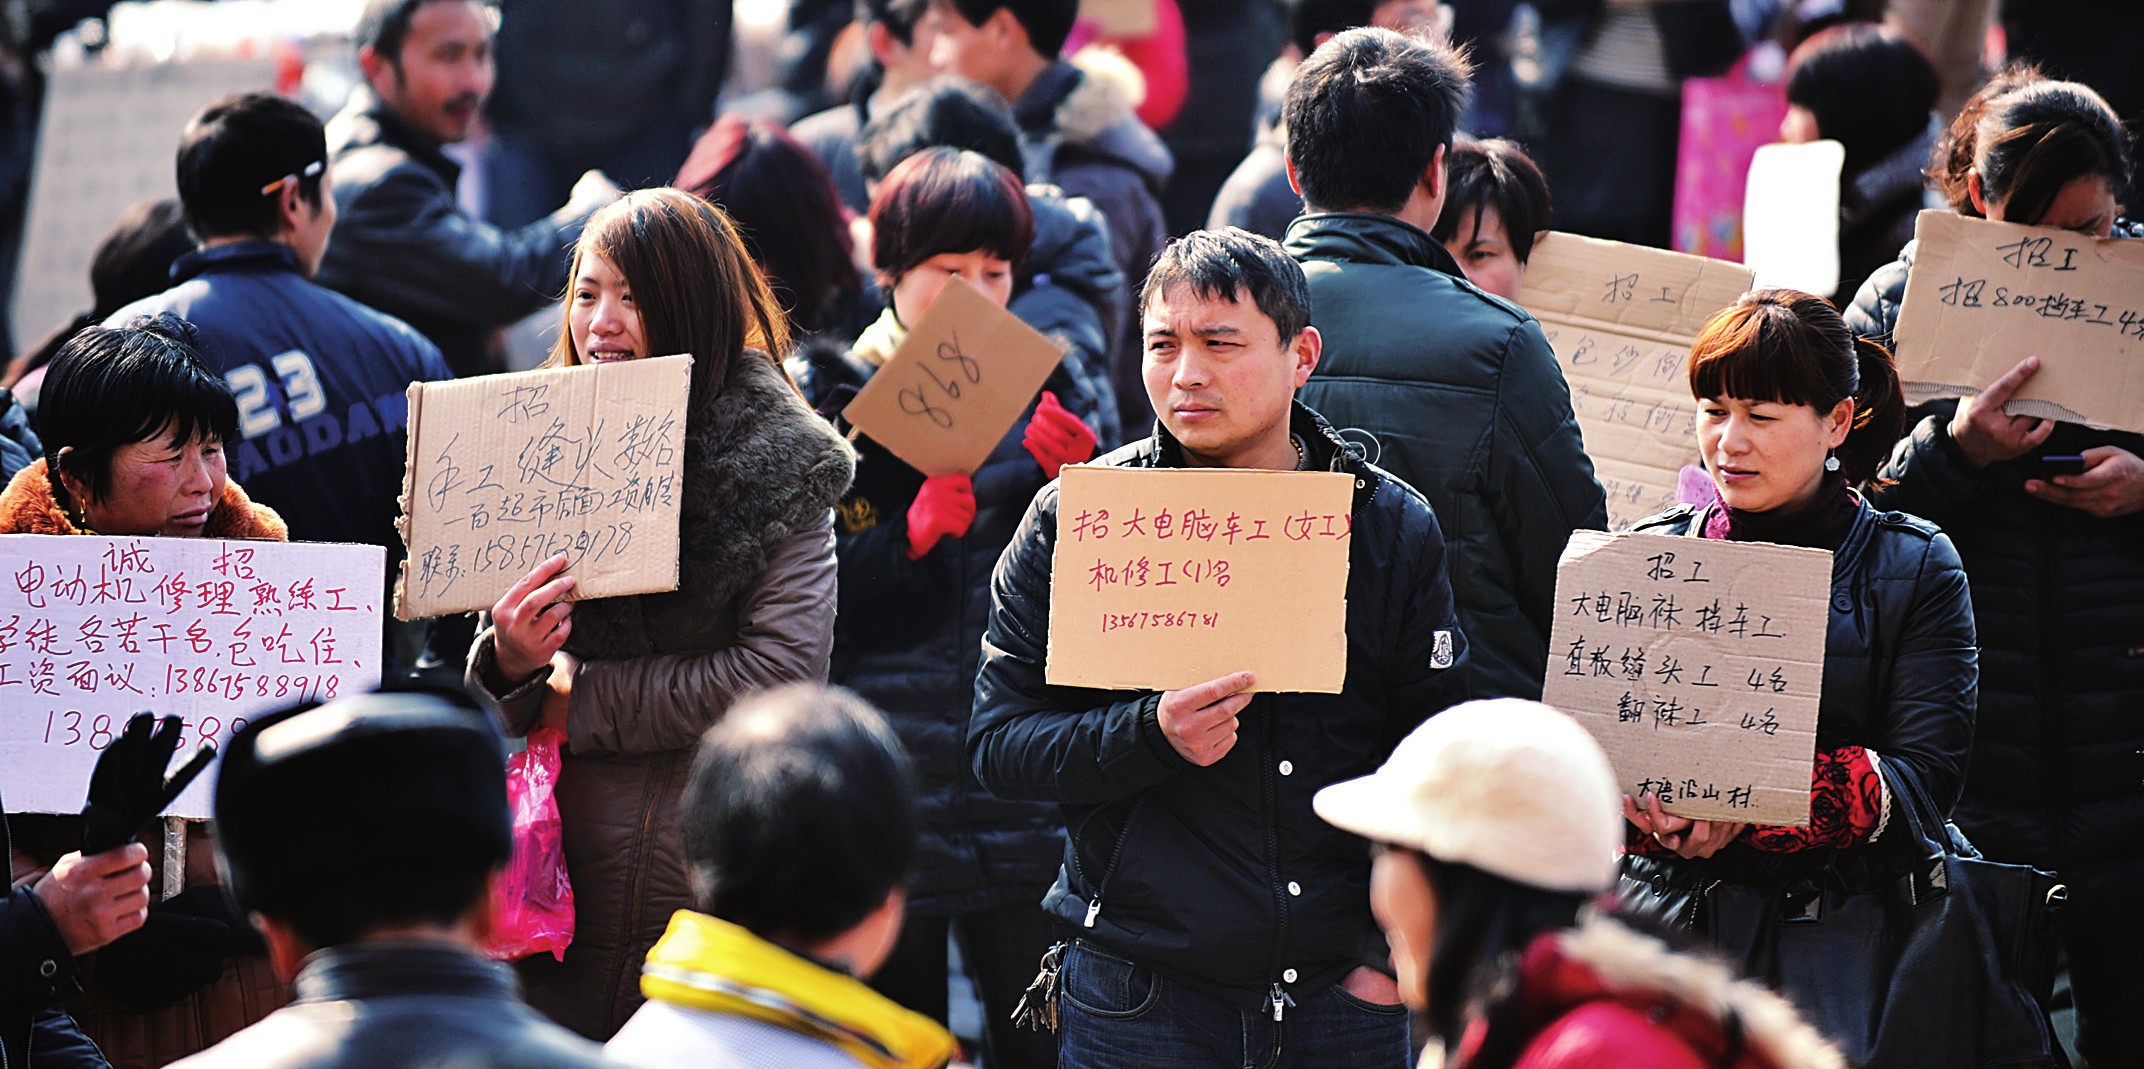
(945, 506)
(179, 950)
(1056, 437)
(128, 788)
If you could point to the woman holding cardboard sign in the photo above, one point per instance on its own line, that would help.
(916, 555)
(1794, 413)
(634, 681)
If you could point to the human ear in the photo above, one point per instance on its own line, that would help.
(1975, 193)
(1306, 348)
(1839, 423)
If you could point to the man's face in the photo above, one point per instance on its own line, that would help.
(1220, 376)
(444, 73)
(963, 48)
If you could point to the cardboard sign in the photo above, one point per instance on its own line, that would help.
(507, 470)
(1121, 18)
(1164, 578)
(95, 629)
(1983, 296)
(956, 385)
(1698, 665)
(1790, 217)
(1621, 319)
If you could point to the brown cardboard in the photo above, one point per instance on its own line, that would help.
(1121, 18)
(507, 470)
(1168, 577)
(956, 384)
(1983, 296)
(1621, 319)
(1646, 623)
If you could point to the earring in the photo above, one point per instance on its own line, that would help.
(1831, 462)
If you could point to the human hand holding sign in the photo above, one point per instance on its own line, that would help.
(1200, 722)
(1688, 838)
(532, 621)
(1055, 437)
(1985, 433)
(2112, 484)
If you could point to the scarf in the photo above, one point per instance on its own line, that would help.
(878, 341)
(1820, 524)
(704, 963)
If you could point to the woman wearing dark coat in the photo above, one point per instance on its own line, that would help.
(634, 681)
(2056, 777)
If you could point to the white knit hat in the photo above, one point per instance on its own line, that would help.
(1509, 786)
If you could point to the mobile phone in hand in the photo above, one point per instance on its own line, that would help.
(2053, 465)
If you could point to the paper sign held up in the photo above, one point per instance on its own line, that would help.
(1698, 665)
(1790, 216)
(956, 384)
(96, 629)
(1985, 295)
(1167, 577)
(1121, 18)
(1621, 319)
(507, 470)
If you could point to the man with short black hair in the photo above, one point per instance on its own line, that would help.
(1454, 390)
(798, 823)
(900, 39)
(365, 838)
(404, 246)
(1220, 922)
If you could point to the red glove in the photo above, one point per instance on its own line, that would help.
(1056, 437)
(944, 507)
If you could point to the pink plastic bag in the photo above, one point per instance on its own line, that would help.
(1724, 120)
(535, 907)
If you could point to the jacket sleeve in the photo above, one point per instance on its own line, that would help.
(785, 633)
(1874, 311)
(1541, 482)
(35, 967)
(1420, 673)
(1028, 740)
(404, 236)
(1926, 722)
(1928, 474)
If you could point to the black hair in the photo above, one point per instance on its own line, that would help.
(386, 810)
(1483, 925)
(1048, 22)
(1494, 174)
(114, 386)
(943, 200)
(1312, 19)
(783, 204)
(1229, 263)
(898, 16)
(1869, 86)
(799, 815)
(2027, 137)
(1793, 348)
(234, 156)
(384, 26)
(133, 261)
(946, 110)
(1366, 114)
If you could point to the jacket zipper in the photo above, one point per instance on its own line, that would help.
(1269, 793)
(1116, 852)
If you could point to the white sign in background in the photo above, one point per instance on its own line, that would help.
(95, 629)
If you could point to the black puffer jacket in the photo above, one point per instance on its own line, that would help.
(909, 633)
(1221, 877)
(1899, 669)
(36, 972)
(2057, 772)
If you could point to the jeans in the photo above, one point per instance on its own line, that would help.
(1119, 1015)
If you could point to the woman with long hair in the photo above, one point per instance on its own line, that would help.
(634, 681)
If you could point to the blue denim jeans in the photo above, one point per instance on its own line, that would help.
(1119, 1015)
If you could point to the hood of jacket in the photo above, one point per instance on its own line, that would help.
(1071, 248)
(1086, 103)
(760, 467)
(28, 506)
(708, 964)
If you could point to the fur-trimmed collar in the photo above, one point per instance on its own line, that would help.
(1698, 999)
(28, 506)
(760, 467)
(1087, 102)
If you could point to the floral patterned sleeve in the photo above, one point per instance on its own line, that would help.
(1846, 806)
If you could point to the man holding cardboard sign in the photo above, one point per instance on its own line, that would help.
(1195, 871)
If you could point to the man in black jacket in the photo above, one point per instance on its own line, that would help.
(402, 243)
(82, 904)
(1220, 921)
(1456, 391)
(366, 837)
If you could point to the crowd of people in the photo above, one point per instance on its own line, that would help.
(828, 775)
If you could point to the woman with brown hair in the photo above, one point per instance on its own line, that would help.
(634, 681)
(1795, 413)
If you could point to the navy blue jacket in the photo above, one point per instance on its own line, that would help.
(321, 383)
(1221, 877)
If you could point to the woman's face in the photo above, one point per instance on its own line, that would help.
(1766, 455)
(1486, 255)
(1406, 907)
(604, 321)
(2086, 205)
(916, 291)
(157, 488)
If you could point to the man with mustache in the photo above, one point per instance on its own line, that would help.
(403, 245)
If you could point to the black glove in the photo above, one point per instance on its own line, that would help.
(128, 788)
(179, 950)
